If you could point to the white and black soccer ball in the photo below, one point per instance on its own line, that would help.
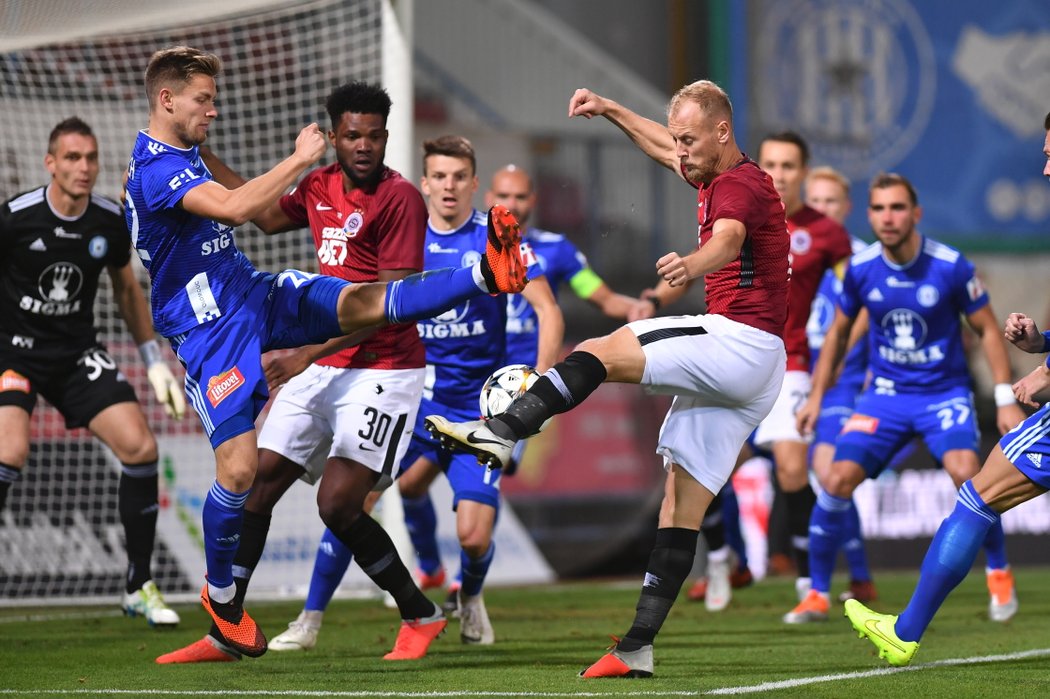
(505, 384)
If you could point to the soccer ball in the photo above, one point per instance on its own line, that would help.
(505, 384)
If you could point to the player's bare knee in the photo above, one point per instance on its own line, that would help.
(842, 479)
(336, 513)
(137, 447)
(476, 544)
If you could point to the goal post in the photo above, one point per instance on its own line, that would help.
(60, 534)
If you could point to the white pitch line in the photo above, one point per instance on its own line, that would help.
(59, 616)
(802, 681)
(746, 689)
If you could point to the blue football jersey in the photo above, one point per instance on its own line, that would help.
(196, 271)
(915, 341)
(465, 344)
(560, 261)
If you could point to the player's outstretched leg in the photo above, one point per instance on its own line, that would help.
(427, 294)
(880, 630)
(948, 560)
(565, 385)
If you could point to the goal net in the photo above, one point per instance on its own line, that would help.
(60, 534)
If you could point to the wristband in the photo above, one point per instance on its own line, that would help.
(1046, 340)
(1004, 395)
(653, 299)
(150, 352)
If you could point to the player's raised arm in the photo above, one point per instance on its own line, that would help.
(727, 237)
(653, 138)
(273, 219)
(235, 207)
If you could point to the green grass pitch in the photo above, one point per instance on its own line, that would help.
(545, 636)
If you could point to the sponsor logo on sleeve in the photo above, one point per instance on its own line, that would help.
(220, 387)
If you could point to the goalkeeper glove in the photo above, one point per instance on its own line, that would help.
(167, 390)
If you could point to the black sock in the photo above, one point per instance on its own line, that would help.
(137, 503)
(8, 475)
(669, 564)
(799, 508)
(578, 376)
(713, 526)
(375, 553)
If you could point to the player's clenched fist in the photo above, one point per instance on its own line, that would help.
(672, 268)
(586, 104)
(311, 144)
(1022, 332)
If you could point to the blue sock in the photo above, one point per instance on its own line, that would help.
(731, 522)
(995, 547)
(222, 517)
(421, 522)
(853, 548)
(425, 295)
(948, 560)
(330, 564)
(827, 525)
(474, 570)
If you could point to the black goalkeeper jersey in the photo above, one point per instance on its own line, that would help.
(49, 269)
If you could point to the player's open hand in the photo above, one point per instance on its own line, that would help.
(280, 369)
(673, 269)
(1022, 332)
(586, 104)
(806, 417)
(1026, 389)
(311, 144)
(168, 391)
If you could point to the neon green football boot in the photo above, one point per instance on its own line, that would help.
(879, 629)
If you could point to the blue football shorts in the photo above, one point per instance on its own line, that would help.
(225, 383)
(881, 425)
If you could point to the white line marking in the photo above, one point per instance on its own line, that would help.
(747, 689)
(802, 681)
(61, 616)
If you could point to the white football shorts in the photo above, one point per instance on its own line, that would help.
(365, 415)
(780, 425)
(725, 377)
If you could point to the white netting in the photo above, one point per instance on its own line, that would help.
(60, 534)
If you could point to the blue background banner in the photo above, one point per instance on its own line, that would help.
(950, 94)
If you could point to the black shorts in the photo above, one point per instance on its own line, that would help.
(79, 385)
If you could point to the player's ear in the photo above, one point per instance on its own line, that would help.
(331, 137)
(49, 163)
(723, 132)
(917, 214)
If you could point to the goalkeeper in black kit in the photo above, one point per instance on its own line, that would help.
(55, 241)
